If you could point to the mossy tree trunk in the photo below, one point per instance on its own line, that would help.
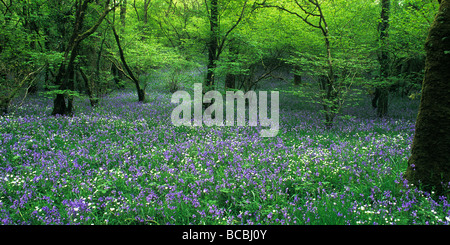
(429, 164)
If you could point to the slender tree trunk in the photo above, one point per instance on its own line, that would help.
(146, 6)
(71, 87)
(329, 90)
(140, 91)
(117, 76)
(230, 78)
(89, 88)
(297, 76)
(123, 14)
(383, 102)
(429, 164)
(375, 98)
(331, 96)
(230, 81)
(59, 103)
(383, 90)
(213, 44)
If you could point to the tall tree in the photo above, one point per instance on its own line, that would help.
(212, 43)
(131, 76)
(123, 15)
(328, 86)
(217, 41)
(381, 99)
(429, 164)
(66, 71)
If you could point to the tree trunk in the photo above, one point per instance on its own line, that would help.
(32, 89)
(117, 76)
(140, 91)
(71, 86)
(230, 81)
(297, 76)
(64, 79)
(375, 98)
(59, 105)
(146, 6)
(123, 13)
(65, 72)
(383, 98)
(383, 102)
(212, 45)
(329, 90)
(331, 96)
(89, 89)
(230, 78)
(429, 164)
(4, 104)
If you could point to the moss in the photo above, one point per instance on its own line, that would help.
(429, 164)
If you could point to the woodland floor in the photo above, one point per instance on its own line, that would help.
(125, 163)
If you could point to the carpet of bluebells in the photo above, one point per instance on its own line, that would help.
(125, 163)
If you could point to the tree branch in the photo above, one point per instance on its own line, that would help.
(232, 28)
(7, 7)
(91, 30)
(304, 19)
(21, 83)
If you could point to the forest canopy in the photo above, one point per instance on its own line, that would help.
(69, 49)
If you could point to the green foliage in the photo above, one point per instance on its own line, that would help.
(170, 37)
(68, 92)
(165, 46)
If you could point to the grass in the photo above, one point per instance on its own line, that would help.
(124, 163)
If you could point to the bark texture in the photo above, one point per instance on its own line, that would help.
(429, 164)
